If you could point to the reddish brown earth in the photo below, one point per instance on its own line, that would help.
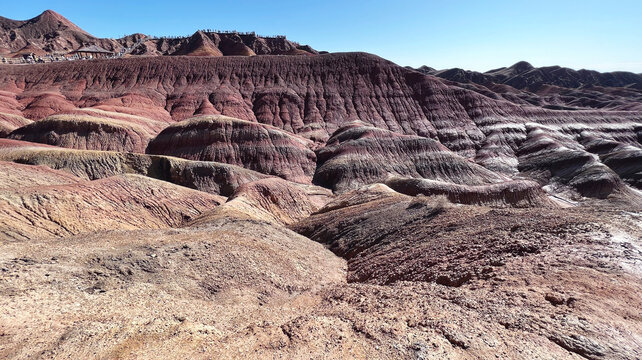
(16, 175)
(518, 259)
(273, 200)
(37, 33)
(199, 44)
(252, 145)
(43, 210)
(85, 133)
(10, 122)
(326, 206)
(308, 96)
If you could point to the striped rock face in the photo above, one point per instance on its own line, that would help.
(309, 96)
(252, 145)
(419, 126)
(208, 176)
(85, 133)
(40, 203)
(359, 154)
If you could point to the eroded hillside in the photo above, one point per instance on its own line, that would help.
(326, 206)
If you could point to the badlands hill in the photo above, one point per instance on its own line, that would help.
(412, 125)
(320, 206)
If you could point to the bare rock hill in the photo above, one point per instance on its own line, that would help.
(123, 202)
(252, 145)
(358, 154)
(48, 32)
(85, 133)
(211, 177)
(313, 97)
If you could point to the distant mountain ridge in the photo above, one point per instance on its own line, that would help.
(52, 33)
(48, 32)
(551, 86)
(525, 76)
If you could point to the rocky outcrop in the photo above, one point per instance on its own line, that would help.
(199, 44)
(10, 122)
(393, 238)
(358, 154)
(252, 145)
(207, 176)
(555, 159)
(211, 43)
(118, 203)
(47, 32)
(624, 159)
(273, 200)
(15, 176)
(85, 132)
(516, 193)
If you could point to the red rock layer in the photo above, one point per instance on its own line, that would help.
(254, 146)
(272, 200)
(309, 96)
(124, 202)
(85, 132)
(312, 97)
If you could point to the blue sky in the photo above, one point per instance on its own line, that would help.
(476, 35)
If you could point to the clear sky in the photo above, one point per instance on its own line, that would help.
(604, 35)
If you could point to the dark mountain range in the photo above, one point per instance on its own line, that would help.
(552, 86)
(52, 33)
